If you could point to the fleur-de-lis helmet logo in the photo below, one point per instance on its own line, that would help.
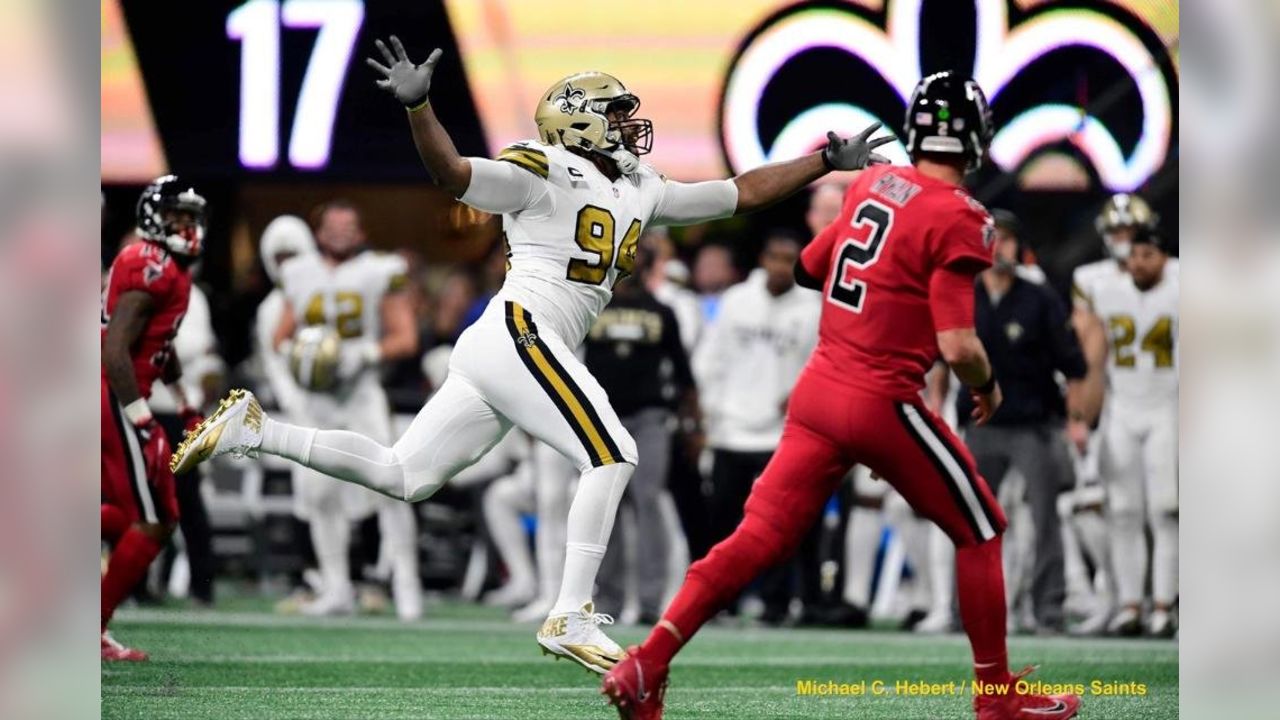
(871, 61)
(570, 99)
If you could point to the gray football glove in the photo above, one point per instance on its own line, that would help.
(855, 153)
(408, 82)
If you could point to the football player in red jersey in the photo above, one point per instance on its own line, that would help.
(143, 301)
(897, 270)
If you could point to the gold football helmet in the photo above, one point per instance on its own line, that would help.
(593, 111)
(1121, 216)
(314, 357)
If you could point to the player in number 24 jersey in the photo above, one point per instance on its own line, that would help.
(573, 203)
(896, 270)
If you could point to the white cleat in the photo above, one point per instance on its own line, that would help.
(578, 636)
(534, 611)
(336, 603)
(1127, 622)
(936, 622)
(235, 427)
(511, 595)
(407, 595)
(1161, 623)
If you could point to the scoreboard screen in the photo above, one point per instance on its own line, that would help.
(279, 88)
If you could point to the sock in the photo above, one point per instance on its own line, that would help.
(114, 523)
(861, 541)
(980, 581)
(331, 538)
(1164, 558)
(129, 562)
(1128, 556)
(591, 516)
(716, 580)
(341, 454)
(552, 486)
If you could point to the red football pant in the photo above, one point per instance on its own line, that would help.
(829, 428)
(142, 494)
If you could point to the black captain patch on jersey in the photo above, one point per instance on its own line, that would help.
(531, 159)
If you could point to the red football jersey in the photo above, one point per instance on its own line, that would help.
(896, 227)
(150, 268)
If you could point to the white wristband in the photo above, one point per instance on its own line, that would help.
(371, 352)
(138, 412)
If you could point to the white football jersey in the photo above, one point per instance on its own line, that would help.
(347, 297)
(1086, 278)
(1142, 364)
(565, 256)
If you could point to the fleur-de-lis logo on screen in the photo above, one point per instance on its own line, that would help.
(1095, 78)
(570, 99)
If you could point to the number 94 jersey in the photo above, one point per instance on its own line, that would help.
(348, 296)
(567, 251)
(1142, 363)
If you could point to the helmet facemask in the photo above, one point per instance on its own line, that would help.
(594, 113)
(171, 218)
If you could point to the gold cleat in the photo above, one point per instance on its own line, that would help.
(577, 636)
(235, 427)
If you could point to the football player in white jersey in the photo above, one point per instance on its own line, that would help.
(356, 294)
(1139, 461)
(1123, 215)
(574, 203)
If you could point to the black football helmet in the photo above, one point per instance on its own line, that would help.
(948, 115)
(166, 195)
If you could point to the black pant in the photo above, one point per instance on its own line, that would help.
(193, 520)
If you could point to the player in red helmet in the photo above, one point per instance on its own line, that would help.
(144, 300)
(896, 270)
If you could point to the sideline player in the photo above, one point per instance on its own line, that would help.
(144, 300)
(897, 274)
(574, 203)
(1139, 460)
(358, 294)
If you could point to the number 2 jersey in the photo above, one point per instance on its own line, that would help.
(1142, 362)
(146, 267)
(876, 262)
(571, 233)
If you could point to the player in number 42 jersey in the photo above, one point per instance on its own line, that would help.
(573, 203)
(896, 270)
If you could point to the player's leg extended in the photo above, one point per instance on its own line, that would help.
(453, 430)
(555, 399)
(1121, 467)
(784, 502)
(1160, 467)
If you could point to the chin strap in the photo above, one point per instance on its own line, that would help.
(626, 160)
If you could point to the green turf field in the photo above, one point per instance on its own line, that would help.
(468, 662)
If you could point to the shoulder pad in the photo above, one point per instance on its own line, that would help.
(529, 155)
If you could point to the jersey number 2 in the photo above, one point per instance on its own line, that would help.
(594, 234)
(857, 255)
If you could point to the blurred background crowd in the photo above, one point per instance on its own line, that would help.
(698, 352)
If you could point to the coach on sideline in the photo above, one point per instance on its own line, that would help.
(1027, 333)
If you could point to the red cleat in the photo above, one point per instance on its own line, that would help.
(113, 651)
(1025, 706)
(636, 687)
